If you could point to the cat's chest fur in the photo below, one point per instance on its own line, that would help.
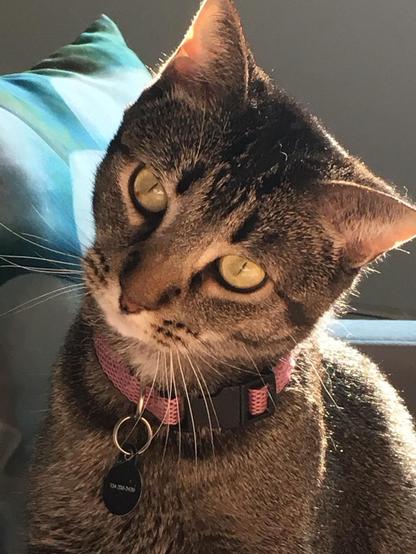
(306, 480)
(238, 499)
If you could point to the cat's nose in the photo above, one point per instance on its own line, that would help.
(129, 306)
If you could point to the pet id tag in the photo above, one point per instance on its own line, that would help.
(122, 486)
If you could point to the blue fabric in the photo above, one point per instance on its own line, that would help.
(56, 121)
(382, 331)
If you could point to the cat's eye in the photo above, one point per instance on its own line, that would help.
(241, 273)
(148, 193)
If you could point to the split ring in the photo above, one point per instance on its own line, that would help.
(117, 428)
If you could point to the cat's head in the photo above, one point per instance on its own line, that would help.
(228, 221)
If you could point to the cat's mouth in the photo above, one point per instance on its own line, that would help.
(146, 327)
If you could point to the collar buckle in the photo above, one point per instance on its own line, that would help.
(229, 408)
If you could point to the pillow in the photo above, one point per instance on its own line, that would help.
(56, 121)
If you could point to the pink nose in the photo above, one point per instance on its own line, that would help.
(128, 306)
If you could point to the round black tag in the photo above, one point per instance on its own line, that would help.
(122, 487)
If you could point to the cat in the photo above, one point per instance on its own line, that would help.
(229, 223)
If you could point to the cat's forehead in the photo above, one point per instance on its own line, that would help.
(252, 144)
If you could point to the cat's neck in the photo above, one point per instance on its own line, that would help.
(88, 387)
(211, 370)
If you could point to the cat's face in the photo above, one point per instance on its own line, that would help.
(228, 221)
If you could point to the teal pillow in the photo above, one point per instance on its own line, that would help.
(56, 121)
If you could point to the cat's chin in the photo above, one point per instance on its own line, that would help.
(142, 353)
(151, 359)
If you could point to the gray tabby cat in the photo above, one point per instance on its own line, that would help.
(228, 222)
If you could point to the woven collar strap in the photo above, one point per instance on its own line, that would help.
(233, 406)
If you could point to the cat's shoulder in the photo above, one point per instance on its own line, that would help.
(351, 373)
(357, 390)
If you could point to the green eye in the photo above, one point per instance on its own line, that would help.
(240, 272)
(148, 192)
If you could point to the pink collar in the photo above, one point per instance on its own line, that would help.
(256, 399)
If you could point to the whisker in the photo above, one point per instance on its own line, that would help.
(201, 133)
(208, 392)
(325, 388)
(189, 406)
(165, 375)
(37, 244)
(320, 380)
(402, 250)
(222, 361)
(260, 375)
(179, 418)
(332, 400)
(45, 270)
(322, 384)
(144, 407)
(170, 397)
(70, 241)
(206, 404)
(40, 258)
(36, 237)
(50, 295)
(214, 369)
(149, 395)
(81, 243)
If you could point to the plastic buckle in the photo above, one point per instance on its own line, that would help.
(223, 409)
(267, 379)
(229, 408)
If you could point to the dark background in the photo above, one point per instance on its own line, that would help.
(352, 62)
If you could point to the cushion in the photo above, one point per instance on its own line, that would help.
(56, 121)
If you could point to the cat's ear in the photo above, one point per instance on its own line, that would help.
(364, 223)
(213, 53)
